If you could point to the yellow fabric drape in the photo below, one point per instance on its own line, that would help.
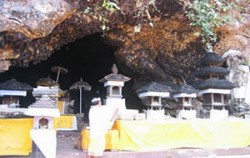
(162, 135)
(140, 135)
(64, 121)
(15, 136)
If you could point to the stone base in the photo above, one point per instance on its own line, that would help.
(219, 114)
(115, 101)
(187, 114)
(45, 140)
(155, 114)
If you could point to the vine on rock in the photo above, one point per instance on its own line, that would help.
(208, 15)
(110, 6)
(103, 9)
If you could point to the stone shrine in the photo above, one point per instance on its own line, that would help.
(213, 86)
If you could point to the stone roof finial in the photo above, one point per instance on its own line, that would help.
(114, 69)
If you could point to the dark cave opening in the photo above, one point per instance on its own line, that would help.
(88, 58)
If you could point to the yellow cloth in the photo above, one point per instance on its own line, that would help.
(162, 135)
(15, 136)
(111, 139)
(64, 121)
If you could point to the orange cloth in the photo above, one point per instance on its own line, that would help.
(111, 139)
(60, 105)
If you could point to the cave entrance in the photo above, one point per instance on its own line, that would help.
(88, 58)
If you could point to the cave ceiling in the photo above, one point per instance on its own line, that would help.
(153, 39)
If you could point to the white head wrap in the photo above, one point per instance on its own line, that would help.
(94, 101)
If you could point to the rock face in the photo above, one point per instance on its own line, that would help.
(34, 19)
(236, 35)
(153, 38)
(167, 49)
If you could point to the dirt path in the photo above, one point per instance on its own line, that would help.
(66, 145)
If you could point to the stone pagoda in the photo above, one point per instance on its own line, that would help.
(114, 83)
(185, 94)
(213, 86)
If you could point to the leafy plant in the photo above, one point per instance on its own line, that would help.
(87, 10)
(112, 7)
(207, 15)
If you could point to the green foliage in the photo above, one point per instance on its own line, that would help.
(87, 10)
(105, 21)
(207, 15)
(110, 6)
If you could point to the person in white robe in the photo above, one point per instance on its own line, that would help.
(101, 119)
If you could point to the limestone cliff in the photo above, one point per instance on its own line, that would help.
(153, 37)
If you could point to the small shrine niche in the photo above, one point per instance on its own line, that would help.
(114, 91)
(151, 101)
(152, 95)
(185, 102)
(43, 123)
(11, 91)
(185, 94)
(151, 98)
(10, 100)
(214, 99)
(155, 101)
